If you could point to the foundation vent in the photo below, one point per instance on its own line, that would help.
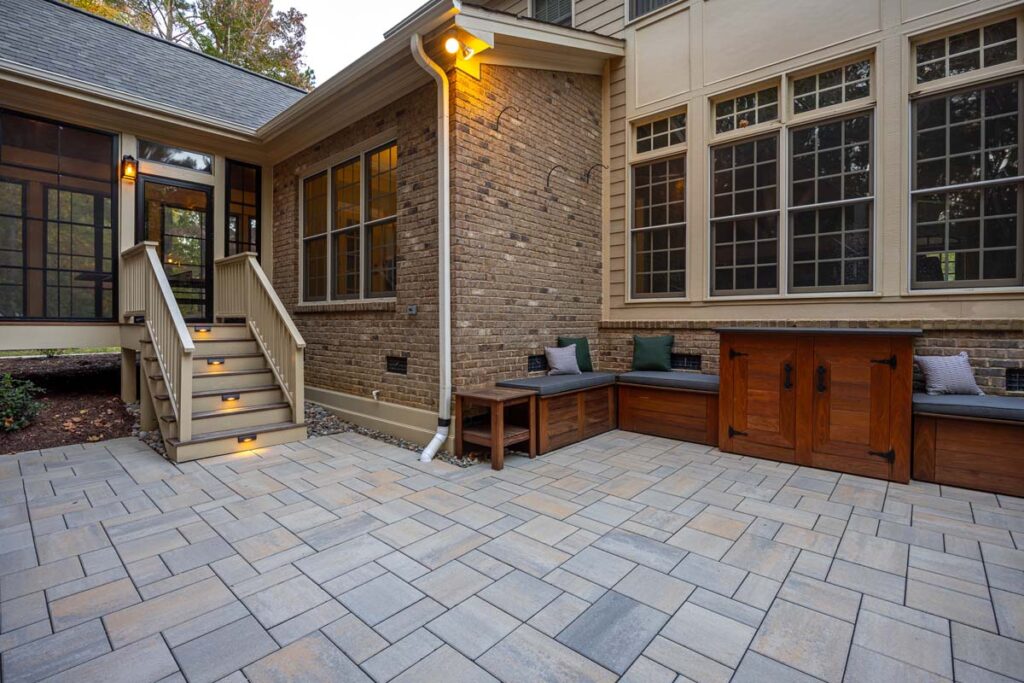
(686, 361)
(1015, 379)
(398, 365)
(537, 363)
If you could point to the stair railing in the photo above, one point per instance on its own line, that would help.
(244, 291)
(145, 291)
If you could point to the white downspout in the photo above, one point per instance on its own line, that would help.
(444, 274)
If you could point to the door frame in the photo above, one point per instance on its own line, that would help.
(140, 225)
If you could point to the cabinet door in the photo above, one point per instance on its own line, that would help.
(852, 386)
(757, 399)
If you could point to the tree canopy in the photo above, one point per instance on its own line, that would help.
(248, 33)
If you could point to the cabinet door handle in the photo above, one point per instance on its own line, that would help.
(822, 388)
(788, 381)
(890, 361)
(889, 455)
(733, 353)
(734, 432)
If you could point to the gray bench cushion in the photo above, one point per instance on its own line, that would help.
(672, 380)
(988, 407)
(560, 384)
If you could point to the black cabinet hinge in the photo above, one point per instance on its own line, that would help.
(734, 432)
(889, 455)
(890, 361)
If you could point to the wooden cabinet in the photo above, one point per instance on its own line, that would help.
(838, 400)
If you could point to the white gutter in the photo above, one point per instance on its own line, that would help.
(444, 273)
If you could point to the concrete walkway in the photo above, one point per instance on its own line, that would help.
(343, 558)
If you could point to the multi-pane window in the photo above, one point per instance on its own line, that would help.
(175, 156)
(661, 133)
(57, 225)
(659, 228)
(745, 217)
(833, 86)
(314, 237)
(831, 204)
(967, 187)
(553, 11)
(967, 51)
(350, 222)
(243, 209)
(747, 110)
(638, 8)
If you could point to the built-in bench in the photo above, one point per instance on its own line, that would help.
(570, 408)
(674, 405)
(970, 441)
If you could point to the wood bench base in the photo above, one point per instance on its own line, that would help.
(671, 413)
(564, 419)
(968, 453)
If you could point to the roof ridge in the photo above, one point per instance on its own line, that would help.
(159, 39)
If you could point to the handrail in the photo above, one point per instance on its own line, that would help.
(146, 292)
(244, 291)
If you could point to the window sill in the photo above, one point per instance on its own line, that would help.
(360, 306)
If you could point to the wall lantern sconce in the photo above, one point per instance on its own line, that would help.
(129, 168)
(454, 46)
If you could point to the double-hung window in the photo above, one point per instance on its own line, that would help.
(830, 205)
(658, 198)
(745, 216)
(967, 187)
(349, 217)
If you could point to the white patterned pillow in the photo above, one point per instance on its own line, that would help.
(948, 375)
(562, 360)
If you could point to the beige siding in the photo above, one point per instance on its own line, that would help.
(737, 43)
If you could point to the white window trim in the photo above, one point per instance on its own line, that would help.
(794, 119)
(653, 155)
(326, 165)
(781, 83)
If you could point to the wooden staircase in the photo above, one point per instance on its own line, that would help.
(223, 387)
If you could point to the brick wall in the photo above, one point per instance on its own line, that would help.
(993, 345)
(527, 257)
(348, 344)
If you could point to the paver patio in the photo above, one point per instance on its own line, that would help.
(343, 558)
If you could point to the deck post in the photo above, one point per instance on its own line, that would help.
(129, 375)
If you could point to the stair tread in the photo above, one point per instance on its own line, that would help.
(226, 356)
(221, 392)
(226, 373)
(228, 412)
(229, 433)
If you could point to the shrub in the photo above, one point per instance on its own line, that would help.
(18, 404)
(52, 353)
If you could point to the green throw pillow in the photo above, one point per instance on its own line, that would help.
(653, 353)
(582, 351)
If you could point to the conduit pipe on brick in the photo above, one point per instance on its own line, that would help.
(444, 273)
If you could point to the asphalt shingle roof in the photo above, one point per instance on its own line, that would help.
(53, 37)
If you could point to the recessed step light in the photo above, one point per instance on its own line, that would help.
(247, 438)
(202, 328)
(215, 361)
(230, 397)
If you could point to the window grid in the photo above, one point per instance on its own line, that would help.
(747, 110)
(831, 87)
(659, 228)
(350, 228)
(968, 188)
(830, 205)
(243, 208)
(967, 51)
(745, 217)
(661, 133)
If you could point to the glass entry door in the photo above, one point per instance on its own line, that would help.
(178, 216)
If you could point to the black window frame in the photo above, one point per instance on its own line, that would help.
(227, 207)
(115, 187)
(564, 20)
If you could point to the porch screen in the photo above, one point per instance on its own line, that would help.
(57, 223)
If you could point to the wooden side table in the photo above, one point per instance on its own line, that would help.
(497, 435)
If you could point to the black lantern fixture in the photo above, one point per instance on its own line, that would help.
(129, 168)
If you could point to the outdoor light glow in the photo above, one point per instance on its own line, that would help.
(452, 45)
(202, 328)
(215, 361)
(247, 438)
(230, 397)
(129, 168)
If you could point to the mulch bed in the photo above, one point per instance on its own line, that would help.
(82, 402)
